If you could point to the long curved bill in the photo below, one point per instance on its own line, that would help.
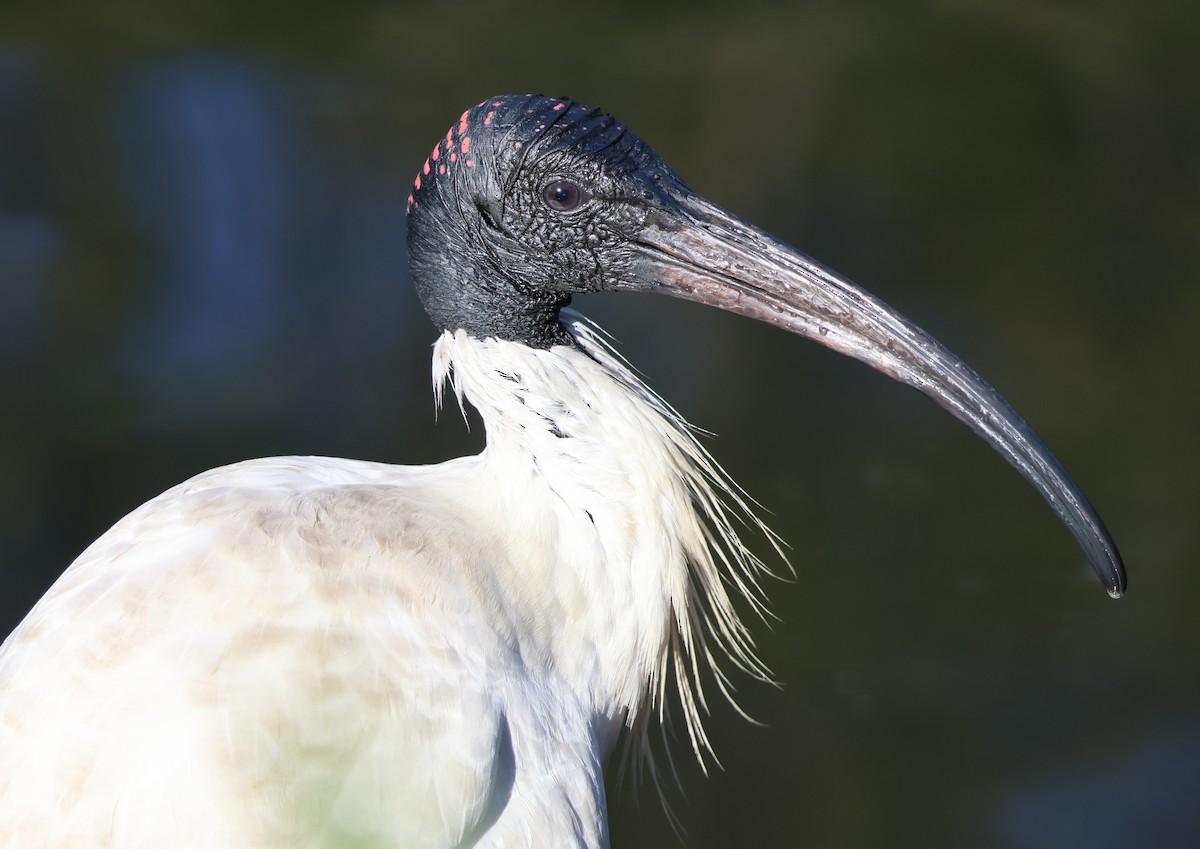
(699, 252)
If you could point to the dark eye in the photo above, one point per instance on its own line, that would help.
(562, 196)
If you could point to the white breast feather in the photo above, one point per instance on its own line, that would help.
(653, 458)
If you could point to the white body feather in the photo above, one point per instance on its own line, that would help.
(313, 652)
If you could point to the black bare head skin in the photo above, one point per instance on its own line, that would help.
(525, 201)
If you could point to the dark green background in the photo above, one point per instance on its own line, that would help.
(1020, 178)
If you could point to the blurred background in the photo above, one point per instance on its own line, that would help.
(202, 260)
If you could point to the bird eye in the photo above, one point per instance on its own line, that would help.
(563, 196)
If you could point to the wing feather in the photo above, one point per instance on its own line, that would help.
(293, 647)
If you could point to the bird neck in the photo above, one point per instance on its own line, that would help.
(615, 519)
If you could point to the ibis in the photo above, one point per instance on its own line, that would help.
(312, 652)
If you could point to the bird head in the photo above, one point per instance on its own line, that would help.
(528, 200)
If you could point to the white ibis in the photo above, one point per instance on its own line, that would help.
(314, 652)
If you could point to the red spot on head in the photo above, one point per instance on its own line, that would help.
(454, 157)
(462, 123)
(487, 119)
(441, 169)
(559, 106)
(470, 163)
(412, 202)
(437, 151)
(417, 184)
(466, 144)
(449, 132)
(497, 102)
(425, 169)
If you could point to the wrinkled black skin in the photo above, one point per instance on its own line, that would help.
(491, 257)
